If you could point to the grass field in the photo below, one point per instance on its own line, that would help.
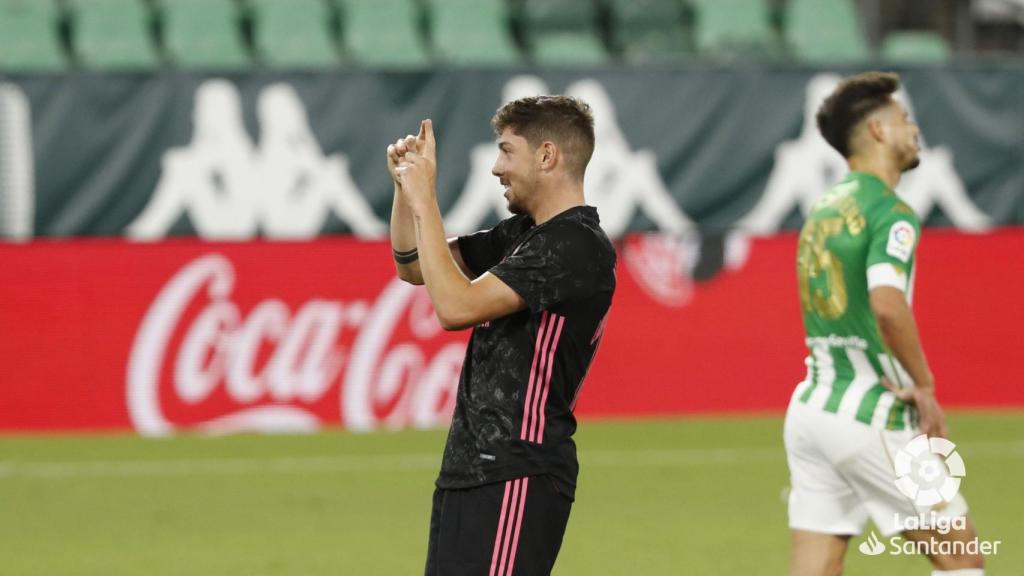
(694, 496)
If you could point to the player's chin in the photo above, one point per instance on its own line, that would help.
(912, 163)
(513, 206)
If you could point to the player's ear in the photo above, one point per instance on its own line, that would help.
(548, 155)
(874, 128)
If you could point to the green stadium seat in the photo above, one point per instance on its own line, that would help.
(204, 34)
(919, 46)
(473, 32)
(114, 34)
(727, 27)
(825, 31)
(294, 33)
(385, 33)
(569, 49)
(563, 32)
(651, 30)
(28, 36)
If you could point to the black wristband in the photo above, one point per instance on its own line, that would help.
(406, 257)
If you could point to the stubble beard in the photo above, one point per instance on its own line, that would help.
(912, 162)
(913, 156)
(515, 205)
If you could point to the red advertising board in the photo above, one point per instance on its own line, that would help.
(187, 335)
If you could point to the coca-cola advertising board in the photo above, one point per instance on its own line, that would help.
(295, 336)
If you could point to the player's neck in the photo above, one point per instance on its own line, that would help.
(557, 200)
(877, 166)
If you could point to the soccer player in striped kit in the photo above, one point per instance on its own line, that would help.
(536, 289)
(868, 390)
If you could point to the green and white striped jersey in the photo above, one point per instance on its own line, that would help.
(858, 236)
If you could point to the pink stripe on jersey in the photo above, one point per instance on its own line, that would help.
(519, 526)
(533, 369)
(497, 536)
(543, 330)
(531, 407)
(539, 436)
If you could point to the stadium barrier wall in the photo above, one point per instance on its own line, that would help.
(185, 335)
(294, 155)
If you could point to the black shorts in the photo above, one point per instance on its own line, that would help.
(511, 528)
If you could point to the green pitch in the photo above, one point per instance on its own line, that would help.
(694, 496)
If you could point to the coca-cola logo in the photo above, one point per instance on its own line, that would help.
(204, 359)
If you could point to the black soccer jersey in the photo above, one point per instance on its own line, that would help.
(523, 372)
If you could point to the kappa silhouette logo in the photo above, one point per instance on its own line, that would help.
(619, 180)
(232, 189)
(17, 183)
(806, 167)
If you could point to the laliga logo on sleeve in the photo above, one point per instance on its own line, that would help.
(929, 470)
(901, 241)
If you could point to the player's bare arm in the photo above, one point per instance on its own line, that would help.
(899, 330)
(403, 230)
(458, 302)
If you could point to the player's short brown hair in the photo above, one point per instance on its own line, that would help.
(564, 120)
(851, 101)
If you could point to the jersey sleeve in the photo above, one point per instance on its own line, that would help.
(895, 234)
(484, 249)
(551, 267)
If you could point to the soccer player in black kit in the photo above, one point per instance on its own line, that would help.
(536, 289)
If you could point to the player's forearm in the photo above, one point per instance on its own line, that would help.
(403, 240)
(446, 284)
(899, 331)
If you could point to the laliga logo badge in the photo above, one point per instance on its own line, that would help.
(929, 470)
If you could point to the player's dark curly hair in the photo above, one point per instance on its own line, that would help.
(851, 101)
(564, 120)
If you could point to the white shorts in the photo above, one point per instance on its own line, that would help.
(841, 474)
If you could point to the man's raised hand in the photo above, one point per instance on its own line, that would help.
(397, 152)
(417, 168)
(425, 140)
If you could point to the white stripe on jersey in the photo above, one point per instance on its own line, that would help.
(825, 376)
(864, 379)
(899, 377)
(881, 415)
(894, 371)
(808, 379)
